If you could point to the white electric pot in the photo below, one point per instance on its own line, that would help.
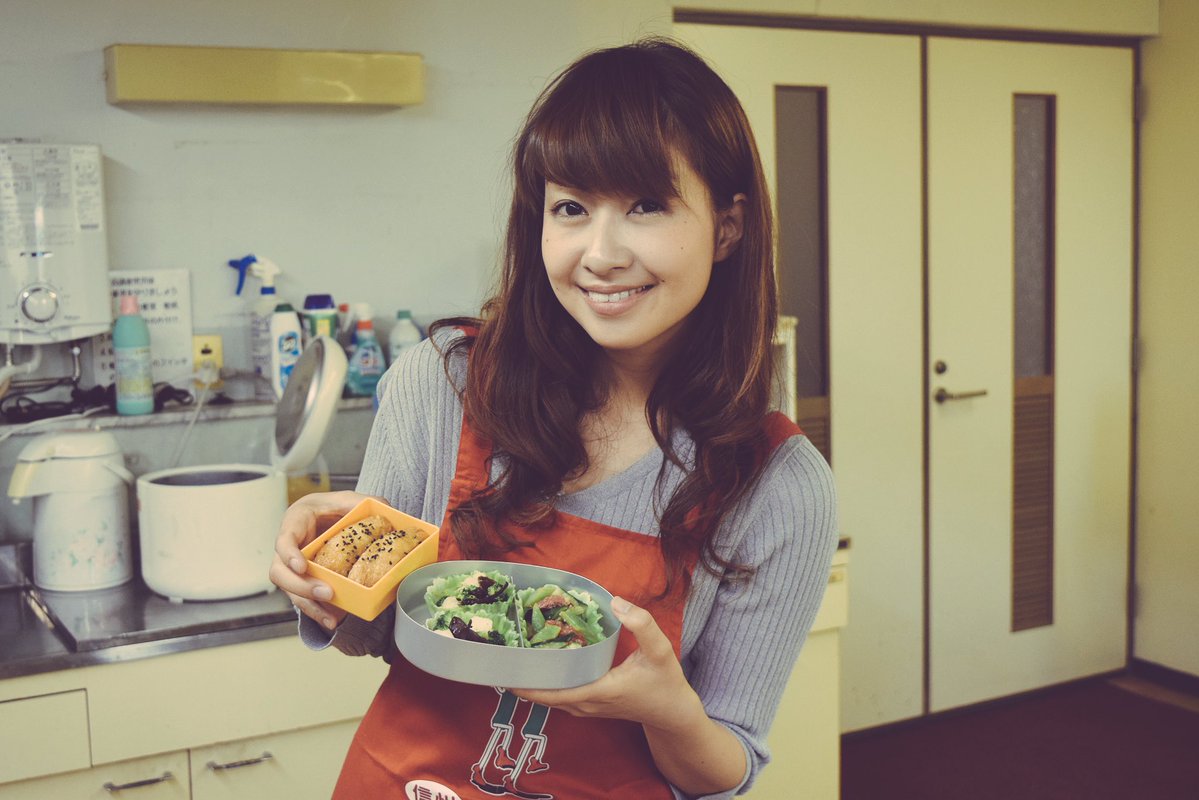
(81, 509)
(208, 532)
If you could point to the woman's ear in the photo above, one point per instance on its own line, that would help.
(730, 224)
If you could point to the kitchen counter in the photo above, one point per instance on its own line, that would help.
(43, 631)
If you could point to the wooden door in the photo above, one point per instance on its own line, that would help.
(1029, 300)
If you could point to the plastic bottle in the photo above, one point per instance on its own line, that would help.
(345, 328)
(367, 362)
(131, 344)
(285, 336)
(404, 334)
(260, 319)
(319, 317)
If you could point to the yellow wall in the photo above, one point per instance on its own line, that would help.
(1167, 492)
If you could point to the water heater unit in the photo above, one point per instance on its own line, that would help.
(53, 243)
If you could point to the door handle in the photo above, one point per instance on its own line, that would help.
(944, 394)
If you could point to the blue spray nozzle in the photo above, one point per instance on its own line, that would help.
(242, 265)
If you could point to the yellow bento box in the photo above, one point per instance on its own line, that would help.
(369, 602)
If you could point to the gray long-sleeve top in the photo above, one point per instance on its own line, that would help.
(739, 640)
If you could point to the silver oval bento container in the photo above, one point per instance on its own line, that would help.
(495, 665)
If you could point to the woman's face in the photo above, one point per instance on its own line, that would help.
(630, 269)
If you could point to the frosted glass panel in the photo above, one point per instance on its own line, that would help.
(802, 202)
(1034, 234)
(802, 271)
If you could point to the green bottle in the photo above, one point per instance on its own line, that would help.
(131, 344)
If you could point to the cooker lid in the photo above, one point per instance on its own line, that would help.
(308, 404)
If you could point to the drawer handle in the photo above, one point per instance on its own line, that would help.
(836, 577)
(111, 787)
(247, 762)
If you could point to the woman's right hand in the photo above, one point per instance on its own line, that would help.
(304, 520)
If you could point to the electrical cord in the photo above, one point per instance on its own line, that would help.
(22, 408)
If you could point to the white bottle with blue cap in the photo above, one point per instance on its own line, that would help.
(261, 345)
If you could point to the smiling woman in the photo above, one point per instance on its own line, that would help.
(631, 270)
(607, 415)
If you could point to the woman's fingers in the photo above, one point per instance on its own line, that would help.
(302, 522)
(651, 642)
(306, 519)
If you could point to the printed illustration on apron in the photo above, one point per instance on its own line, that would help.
(497, 753)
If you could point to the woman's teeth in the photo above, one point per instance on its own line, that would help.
(615, 297)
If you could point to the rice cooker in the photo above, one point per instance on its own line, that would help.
(208, 532)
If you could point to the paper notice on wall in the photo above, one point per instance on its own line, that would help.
(164, 298)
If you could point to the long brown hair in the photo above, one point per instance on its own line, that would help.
(614, 122)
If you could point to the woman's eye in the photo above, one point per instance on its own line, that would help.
(568, 208)
(648, 207)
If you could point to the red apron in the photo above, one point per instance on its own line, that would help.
(426, 738)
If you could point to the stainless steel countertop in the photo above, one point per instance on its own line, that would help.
(43, 631)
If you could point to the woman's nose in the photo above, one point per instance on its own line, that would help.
(606, 249)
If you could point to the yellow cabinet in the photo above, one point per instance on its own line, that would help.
(42, 735)
(805, 741)
(68, 733)
(159, 777)
(297, 765)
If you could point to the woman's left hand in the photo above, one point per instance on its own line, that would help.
(647, 687)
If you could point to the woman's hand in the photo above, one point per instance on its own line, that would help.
(647, 687)
(696, 754)
(306, 519)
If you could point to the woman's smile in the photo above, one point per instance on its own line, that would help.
(611, 302)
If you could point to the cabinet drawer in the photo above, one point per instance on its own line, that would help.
(834, 609)
(160, 777)
(296, 765)
(43, 735)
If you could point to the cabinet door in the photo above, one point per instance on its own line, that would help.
(223, 694)
(805, 741)
(160, 777)
(297, 765)
(30, 724)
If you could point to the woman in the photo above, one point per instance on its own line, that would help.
(607, 415)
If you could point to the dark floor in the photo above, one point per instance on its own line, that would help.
(1099, 739)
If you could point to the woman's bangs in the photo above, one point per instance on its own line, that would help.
(614, 147)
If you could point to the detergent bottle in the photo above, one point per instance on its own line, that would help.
(404, 334)
(366, 362)
(285, 336)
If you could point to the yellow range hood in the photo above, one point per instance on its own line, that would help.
(156, 74)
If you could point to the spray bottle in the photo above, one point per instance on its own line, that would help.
(261, 312)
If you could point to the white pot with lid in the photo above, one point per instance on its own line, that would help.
(208, 532)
